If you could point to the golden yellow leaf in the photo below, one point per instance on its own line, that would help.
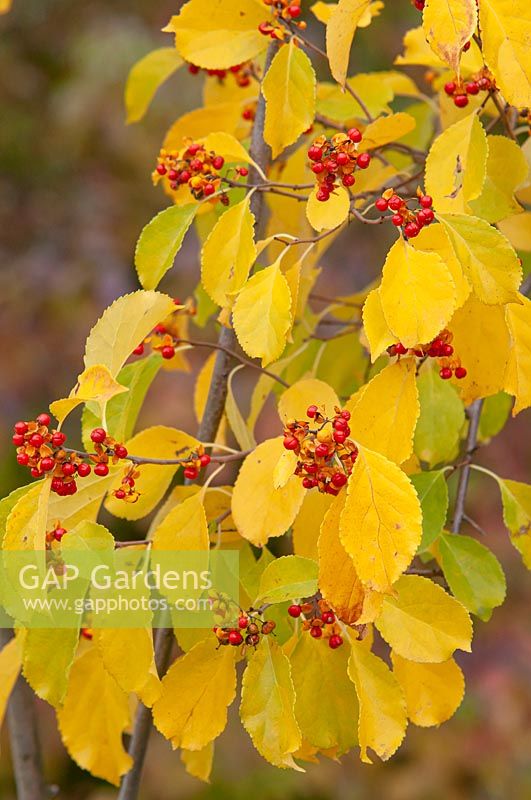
(284, 469)
(417, 294)
(421, 622)
(145, 78)
(418, 51)
(338, 581)
(308, 522)
(382, 719)
(387, 129)
(228, 34)
(226, 145)
(10, 663)
(184, 528)
(507, 169)
(267, 705)
(434, 239)
(94, 717)
(156, 442)
(26, 524)
(47, 657)
(433, 692)
(122, 327)
(323, 12)
(328, 214)
(289, 91)
(259, 510)
(198, 124)
(518, 230)
(518, 374)
(506, 43)
(95, 383)
(384, 412)
(375, 325)
(198, 763)
(456, 165)
(228, 253)
(448, 25)
(136, 674)
(262, 314)
(381, 524)
(488, 260)
(294, 401)
(481, 339)
(340, 32)
(196, 692)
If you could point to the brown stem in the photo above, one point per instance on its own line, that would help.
(474, 413)
(168, 462)
(233, 354)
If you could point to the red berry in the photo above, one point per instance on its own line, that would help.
(328, 617)
(235, 638)
(20, 427)
(316, 631)
(167, 352)
(247, 113)
(119, 494)
(193, 69)
(363, 160)
(83, 470)
(322, 195)
(339, 479)
(445, 373)
(340, 436)
(342, 159)
(22, 459)
(354, 135)
(98, 435)
(43, 419)
(331, 165)
(173, 175)
(205, 460)
(321, 451)
(460, 372)
(426, 201)
(218, 162)
(315, 153)
(190, 473)
(294, 11)
(209, 189)
(400, 349)
(161, 169)
(348, 180)
(397, 219)
(243, 171)
(185, 176)
(36, 440)
(242, 622)
(69, 469)
(340, 424)
(311, 411)
(484, 84)
(101, 470)
(345, 414)
(290, 443)
(58, 534)
(335, 641)
(317, 168)
(466, 46)
(428, 215)
(58, 439)
(450, 87)
(419, 5)
(382, 204)
(447, 350)
(120, 451)
(36, 473)
(57, 484)
(411, 229)
(395, 203)
(294, 611)
(461, 100)
(47, 464)
(307, 483)
(472, 87)
(17, 439)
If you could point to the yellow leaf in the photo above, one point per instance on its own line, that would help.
(199, 123)
(456, 165)
(375, 325)
(385, 411)
(506, 43)
(330, 724)
(417, 294)
(145, 78)
(507, 169)
(238, 426)
(308, 522)
(5, 6)
(136, 674)
(518, 230)
(340, 32)
(198, 763)
(184, 528)
(196, 692)
(85, 504)
(123, 326)
(381, 525)
(260, 510)
(289, 91)
(27, 521)
(518, 374)
(226, 145)
(338, 581)
(418, 51)
(488, 260)
(93, 719)
(423, 623)
(284, 469)
(228, 253)
(203, 38)
(267, 706)
(262, 314)
(382, 720)
(156, 442)
(323, 12)
(448, 25)
(328, 214)
(10, 663)
(160, 242)
(95, 383)
(433, 692)
(434, 239)
(481, 339)
(387, 129)
(294, 401)
(47, 658)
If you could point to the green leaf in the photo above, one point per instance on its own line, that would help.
(287, 578)
(145, 78)
(441, 419)
(473, 573)
(494, 413)
(516, 500)
(7, 504)
(123, 409)
(432, 490)
(159, 243)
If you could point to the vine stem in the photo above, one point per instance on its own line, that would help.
(208, 428)
(474, 414)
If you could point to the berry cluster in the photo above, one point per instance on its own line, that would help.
(283, 11)
(242, 73)
(410, 220)
(165, 337)
(440, 348)
(127, 490)
(42, 451)
(248, 629)
(460, 91)
(320, 620)
(336, 159)
(193, 166)
(326, 455)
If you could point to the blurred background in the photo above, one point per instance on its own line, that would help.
(75, 190)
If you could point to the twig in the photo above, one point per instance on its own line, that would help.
(167, 462)
(237, 356)
(474, 413)
(474, 524)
